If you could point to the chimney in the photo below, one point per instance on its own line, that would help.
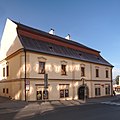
(67, 37)
(52, 31)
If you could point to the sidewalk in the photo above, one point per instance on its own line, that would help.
(7, 105)
(23, 109)
(6, 102)
(103, 99)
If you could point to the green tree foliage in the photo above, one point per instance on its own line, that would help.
(117, 79)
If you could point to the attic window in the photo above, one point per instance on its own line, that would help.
(51, 47)
(98, 58)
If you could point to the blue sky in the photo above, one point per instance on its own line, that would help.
(95, 23)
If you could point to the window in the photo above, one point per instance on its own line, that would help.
(41, 67)
(82, 71)
(51, 48)
(45, 94)
(97, 72)
(3, 90)
(7, 91)
(3, 72)
(107, 74)
(7, 70)
(107, 90)
(97, 92)
(61, 93)
(63, 69)
(64, 90)
(66, 93)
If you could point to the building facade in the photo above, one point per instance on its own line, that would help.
(28, 55)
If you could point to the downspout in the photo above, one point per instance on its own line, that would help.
(91, 81)
(111, 84)
(25, 74)
(73, 77)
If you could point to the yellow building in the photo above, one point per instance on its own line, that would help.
(74, 71)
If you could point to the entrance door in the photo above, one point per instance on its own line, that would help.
(39, 95)
(81, 92)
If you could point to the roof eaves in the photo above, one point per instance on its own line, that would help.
(53, 36)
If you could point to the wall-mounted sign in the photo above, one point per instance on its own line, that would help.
(27, 85)
(46, 80)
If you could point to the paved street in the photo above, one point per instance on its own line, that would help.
(85, 112)
(60, 110)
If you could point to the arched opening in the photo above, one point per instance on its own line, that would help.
(83, 92)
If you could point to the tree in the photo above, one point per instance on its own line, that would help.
(117, 79)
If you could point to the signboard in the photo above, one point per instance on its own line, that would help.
(27, 85)
(46, 80)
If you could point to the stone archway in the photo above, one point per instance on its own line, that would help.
(83, 92)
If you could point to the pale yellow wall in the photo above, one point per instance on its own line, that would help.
(17, 69)
(52, 61)
(1, 71)
(14, 87)
(53, 89)
(102, 87)
(53, 68)
(2, 65)
(102, 73)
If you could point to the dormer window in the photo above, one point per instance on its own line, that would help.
(51, 47)
(98, 58)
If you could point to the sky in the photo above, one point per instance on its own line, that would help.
(94, 23)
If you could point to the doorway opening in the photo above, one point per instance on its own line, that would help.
(83, 92)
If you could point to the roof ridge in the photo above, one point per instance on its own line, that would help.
(56, 37)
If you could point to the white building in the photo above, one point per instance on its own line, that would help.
(74, 70)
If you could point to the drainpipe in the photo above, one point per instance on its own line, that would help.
(91, 81)
(111, 84)
(25, 75)
(73, 77)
